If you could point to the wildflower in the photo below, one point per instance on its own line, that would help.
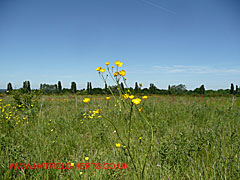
(145, 97)
(102, 70)
(131, 97)
(0, 100)
(115, 73)
(118, 145)
(86, 158)
(125, 96)
(86, 100)
(112, 66)
(136, 101)
(98, 68)
(141, 109)
(81, 173)
(122, 73)
(140, 138)
(98, 111)
(72, 164)
(107, 98)
(118, 63)
(99, 116)
(107, 63)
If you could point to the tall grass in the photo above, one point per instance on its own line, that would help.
(194, 138)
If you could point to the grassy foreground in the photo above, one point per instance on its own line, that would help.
(192, 138)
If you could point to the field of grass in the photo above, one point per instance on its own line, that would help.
(174, 137)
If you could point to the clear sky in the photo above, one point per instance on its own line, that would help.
(163, 42)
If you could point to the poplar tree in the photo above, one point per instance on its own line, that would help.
(136, 88)
(202, 89)
(232, 89)
(90, 88)
(73, 87)
(59, 86)
(9, 87)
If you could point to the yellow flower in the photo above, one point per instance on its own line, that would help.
(86, 100)
(81, 173)
(136, 101)
(98, 68)
(107, 63)
(140, 138)
(118, 145)
(122, 73)
(145, 97)
(102, 70)
(141, 109)
(107, 98)
(86, 158)
(131, 97)
(98, 111)
(118, 63)
(115, 73)
(125, 96)
(0, 100)
(72, 164)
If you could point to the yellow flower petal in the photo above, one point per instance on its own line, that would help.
(136, 101)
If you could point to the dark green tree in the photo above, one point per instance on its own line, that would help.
(106, 89)
(232, 89)
(73, 87)
(202, 89)
(236, 91)
(136, 89)
(9, 87)
(169, 89)
(90, 88)
(26, 87)
(59, 86)
(152, 89)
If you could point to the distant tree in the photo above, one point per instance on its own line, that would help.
(73, 87)
(26, 87)
(179, 89)
(49, 88)
(232, 89)
(152, 89)
(59, 86)
(136, 88)
(90, 88)
(202, 89)
(236, 91)
(169, 89)
(9, 87)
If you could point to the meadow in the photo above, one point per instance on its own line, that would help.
(171, 137)
(119, 135)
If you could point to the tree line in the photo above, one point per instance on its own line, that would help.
(172, 89)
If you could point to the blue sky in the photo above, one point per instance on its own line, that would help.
(159, 41)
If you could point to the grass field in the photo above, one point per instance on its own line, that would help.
(173, 138)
